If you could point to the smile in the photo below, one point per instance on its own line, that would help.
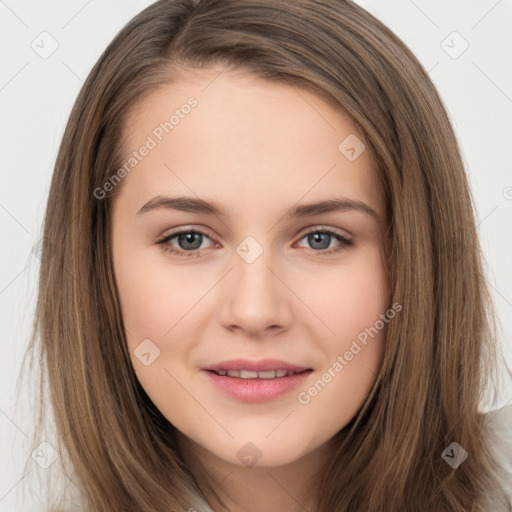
(248, 374)
(256, 386)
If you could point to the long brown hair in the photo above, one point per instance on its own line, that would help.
(441, 349)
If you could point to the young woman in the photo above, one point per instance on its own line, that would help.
(261, 285)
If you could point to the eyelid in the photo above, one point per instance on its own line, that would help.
(184, 229)
(320, 227)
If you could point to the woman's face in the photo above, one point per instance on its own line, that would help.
(261, 275)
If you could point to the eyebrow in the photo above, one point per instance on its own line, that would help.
(196, 205)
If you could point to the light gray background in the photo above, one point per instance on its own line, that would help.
(36, 96)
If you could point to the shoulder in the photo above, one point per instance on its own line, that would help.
(499, 427)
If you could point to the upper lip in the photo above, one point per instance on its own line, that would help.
(256, 366)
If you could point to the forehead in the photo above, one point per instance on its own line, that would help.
(245, 134)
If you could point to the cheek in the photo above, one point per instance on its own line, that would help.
(163, 316)
(352, 298)
(352, 304)
(155, 298)
(155, 318)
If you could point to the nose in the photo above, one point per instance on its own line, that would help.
(256, 299)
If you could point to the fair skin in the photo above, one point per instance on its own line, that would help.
(258, 149)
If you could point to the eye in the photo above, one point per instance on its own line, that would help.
(321, 239)
(191, 241)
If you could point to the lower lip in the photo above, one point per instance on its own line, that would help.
(257, 390)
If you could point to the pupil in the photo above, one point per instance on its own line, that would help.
(189, 238)
(313, 238)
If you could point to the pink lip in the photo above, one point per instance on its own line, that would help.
(256, 366)
(256, 390)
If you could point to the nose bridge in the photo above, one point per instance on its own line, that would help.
(253, 278)
(256, 298)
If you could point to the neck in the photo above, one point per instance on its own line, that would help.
(291, 487)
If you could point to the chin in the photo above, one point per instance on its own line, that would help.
(256, 451)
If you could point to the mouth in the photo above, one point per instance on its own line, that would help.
(249, 374)
(250, 369)
(256, 381)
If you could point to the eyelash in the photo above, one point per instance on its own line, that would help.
(164, 245)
